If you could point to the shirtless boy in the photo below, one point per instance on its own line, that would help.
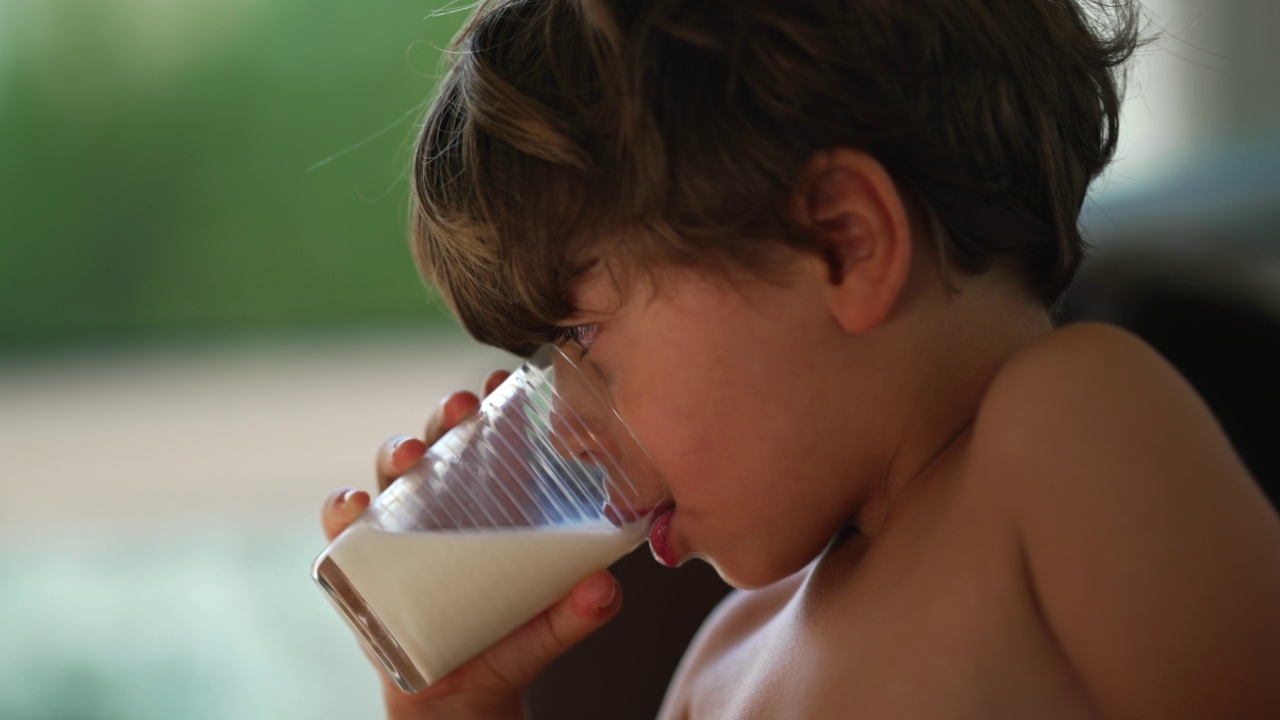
(814, 247)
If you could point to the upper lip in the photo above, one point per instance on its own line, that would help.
(658, 509)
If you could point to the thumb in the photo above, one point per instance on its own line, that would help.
(520, 656)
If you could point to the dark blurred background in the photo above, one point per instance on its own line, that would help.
(209, 319)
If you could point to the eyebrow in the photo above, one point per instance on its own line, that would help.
(581, 269)
(580, 275)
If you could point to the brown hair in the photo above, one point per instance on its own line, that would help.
(672, 131)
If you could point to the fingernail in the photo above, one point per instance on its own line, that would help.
(346, 497)
(396, 444)
(401, 443)
(443, 409)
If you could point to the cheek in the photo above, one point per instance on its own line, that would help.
(685, 437)
(712, 473)
(710, 429)
(679, 440)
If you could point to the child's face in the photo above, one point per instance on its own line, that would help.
(730, 386)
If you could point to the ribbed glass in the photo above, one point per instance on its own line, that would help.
(504, 514)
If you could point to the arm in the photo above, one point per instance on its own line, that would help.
(1154, 557)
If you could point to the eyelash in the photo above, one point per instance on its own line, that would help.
(582, 335)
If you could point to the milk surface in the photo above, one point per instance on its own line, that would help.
(447, 595)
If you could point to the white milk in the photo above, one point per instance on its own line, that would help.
(447, 595)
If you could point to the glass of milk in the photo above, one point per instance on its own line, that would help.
(502, 517)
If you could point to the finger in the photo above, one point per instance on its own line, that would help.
(495, 379)
(452, 410)
(340, 509)
(515, 660)
(395, 457)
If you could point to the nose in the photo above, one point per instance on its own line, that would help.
(586, 428)
(581, 424)
(572, 440)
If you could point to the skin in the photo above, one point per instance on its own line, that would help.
(935, 504)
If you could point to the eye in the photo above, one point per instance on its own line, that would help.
(582, 335)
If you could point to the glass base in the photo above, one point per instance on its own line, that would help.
(368, 627)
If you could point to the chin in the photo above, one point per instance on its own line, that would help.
(751, 576)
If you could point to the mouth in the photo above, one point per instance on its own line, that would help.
(659, 517)
(660, 536)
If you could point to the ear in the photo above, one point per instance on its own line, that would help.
(849, 202)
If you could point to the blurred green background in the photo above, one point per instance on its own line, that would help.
(159, 173)
(209, 318)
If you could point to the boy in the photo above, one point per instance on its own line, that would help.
(814, 247)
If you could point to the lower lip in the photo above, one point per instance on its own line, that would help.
(660, 540)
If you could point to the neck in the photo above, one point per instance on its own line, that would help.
(971, 335)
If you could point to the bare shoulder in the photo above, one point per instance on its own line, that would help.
(1082, 369)
(737, 618)
(1092, 394)
(1151, 551)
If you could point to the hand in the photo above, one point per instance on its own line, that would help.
(490, 685)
